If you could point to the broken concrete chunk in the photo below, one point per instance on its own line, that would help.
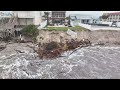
(72, 33)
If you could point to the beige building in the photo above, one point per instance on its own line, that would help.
(110, 17)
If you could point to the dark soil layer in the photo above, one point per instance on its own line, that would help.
(54, 49)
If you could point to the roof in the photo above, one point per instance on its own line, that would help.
(59, 11)
(80, 16)
(115, 13)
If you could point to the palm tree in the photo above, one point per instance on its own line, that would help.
(68, 18)
(104, 16)
(46, 15)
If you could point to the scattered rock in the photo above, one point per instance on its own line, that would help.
(3, 46)
(85, 42)
(72, 33)
(100, 43)
(20, 51)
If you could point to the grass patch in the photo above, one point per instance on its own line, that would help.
(76, 28)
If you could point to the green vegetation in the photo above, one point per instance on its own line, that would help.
(104, 16)
(30, 31)
(65, 28)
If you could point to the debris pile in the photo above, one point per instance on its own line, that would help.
(50, 50)
(55, 49)
(72, 44)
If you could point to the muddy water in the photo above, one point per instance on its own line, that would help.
(86, 63)
(102, 62)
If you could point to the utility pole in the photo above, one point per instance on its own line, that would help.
(68, 18)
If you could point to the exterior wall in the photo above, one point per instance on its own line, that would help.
(24, 14)
(24, 21)
(28, 17)
(111, 18)
(37, 17)
(58, 16)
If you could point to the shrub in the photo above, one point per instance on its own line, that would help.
(30, 30)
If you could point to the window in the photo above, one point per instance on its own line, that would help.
(60, 15)
(56, 15)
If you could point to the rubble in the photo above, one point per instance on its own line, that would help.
(55, 49)
(2, 46)
(72, 33)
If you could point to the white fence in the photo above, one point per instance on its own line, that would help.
(109, 23)
(104, 28)
(93, 28)
(85, 26)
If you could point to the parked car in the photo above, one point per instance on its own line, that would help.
(114, 24)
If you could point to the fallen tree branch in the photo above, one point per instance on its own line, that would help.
(74, 51)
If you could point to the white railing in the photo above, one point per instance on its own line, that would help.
(85, 26)
(42, 24)
(93, 28)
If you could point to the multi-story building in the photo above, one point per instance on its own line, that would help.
(110, 17)
(58, 17)
(28, 17)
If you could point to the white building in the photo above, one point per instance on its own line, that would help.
(82, 18)
(28, 17)
(112, 17)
